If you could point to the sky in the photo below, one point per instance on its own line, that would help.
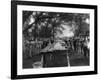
(68, 31)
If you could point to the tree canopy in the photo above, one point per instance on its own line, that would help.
(38, 24)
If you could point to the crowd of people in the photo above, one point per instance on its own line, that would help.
(79, 45)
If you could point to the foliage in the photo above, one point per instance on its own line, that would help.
(38, 24)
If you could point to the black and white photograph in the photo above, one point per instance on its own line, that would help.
(53, 39)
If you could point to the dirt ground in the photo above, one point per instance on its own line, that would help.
(57, 59)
